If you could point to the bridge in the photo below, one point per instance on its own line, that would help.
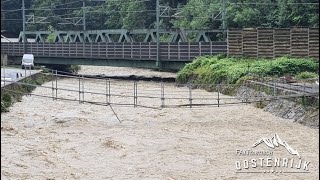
(173, 55)
(137, 48)
(117, 47)
(123, 35)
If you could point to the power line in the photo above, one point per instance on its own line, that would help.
(79, 8)
(57, 15)
(13, 10)
(275, 4)
(61, 4)
(125, 1)
(11, 19)
(120, 11)
(174, 9)
(5, 1)
(40, 9)
(49, 8)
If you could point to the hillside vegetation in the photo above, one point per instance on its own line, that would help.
(136, 14)
(218, 69)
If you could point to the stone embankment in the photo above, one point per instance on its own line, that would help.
(303, 110)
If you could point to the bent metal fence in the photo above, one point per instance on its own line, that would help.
(106, 92)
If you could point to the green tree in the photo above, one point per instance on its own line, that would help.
(133, 14)
(199, 15)
(51, 36)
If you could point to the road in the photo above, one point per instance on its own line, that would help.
(14, 74)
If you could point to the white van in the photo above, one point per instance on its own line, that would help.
(27, 61)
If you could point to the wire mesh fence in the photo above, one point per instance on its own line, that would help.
(107, 92)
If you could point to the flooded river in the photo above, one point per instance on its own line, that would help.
(46, 139)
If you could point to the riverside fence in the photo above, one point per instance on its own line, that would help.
(157, 95)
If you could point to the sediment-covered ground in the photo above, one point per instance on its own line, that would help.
(46, 139)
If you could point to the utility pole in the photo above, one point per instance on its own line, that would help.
(24, 28)
(158, 64)
(84, 15)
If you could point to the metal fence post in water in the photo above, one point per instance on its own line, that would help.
(274, 88)
(79, 89)
(56, 84)
(25, 72)
(25, 78)
(52, 85)
(109, 90)
(30, 72)
(218, 87)
(162, 95)
(30, 78)
(107, 96)
(135, 94)
(260, 93)
(82, 89)
(190, 94)
(4, 76)
(247, 91)
(290, 88)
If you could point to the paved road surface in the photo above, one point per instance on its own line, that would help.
(14, 74)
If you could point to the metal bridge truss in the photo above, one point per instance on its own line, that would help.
(121, 35)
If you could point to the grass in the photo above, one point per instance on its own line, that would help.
(219, 69)
(306, 75)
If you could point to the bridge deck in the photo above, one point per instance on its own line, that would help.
(172, 55)
(135, 51)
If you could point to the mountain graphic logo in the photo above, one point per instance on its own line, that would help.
(275, 141)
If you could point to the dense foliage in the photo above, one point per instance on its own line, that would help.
(133, 14)
(215, 70)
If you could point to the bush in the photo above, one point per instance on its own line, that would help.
(307, 75)
(6, 102)
(74, 68)
(64, 67)
(4, 108)
(219, 69)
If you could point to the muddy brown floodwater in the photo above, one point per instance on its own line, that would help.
(46, 139)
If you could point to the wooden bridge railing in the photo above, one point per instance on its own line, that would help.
(182, 51)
